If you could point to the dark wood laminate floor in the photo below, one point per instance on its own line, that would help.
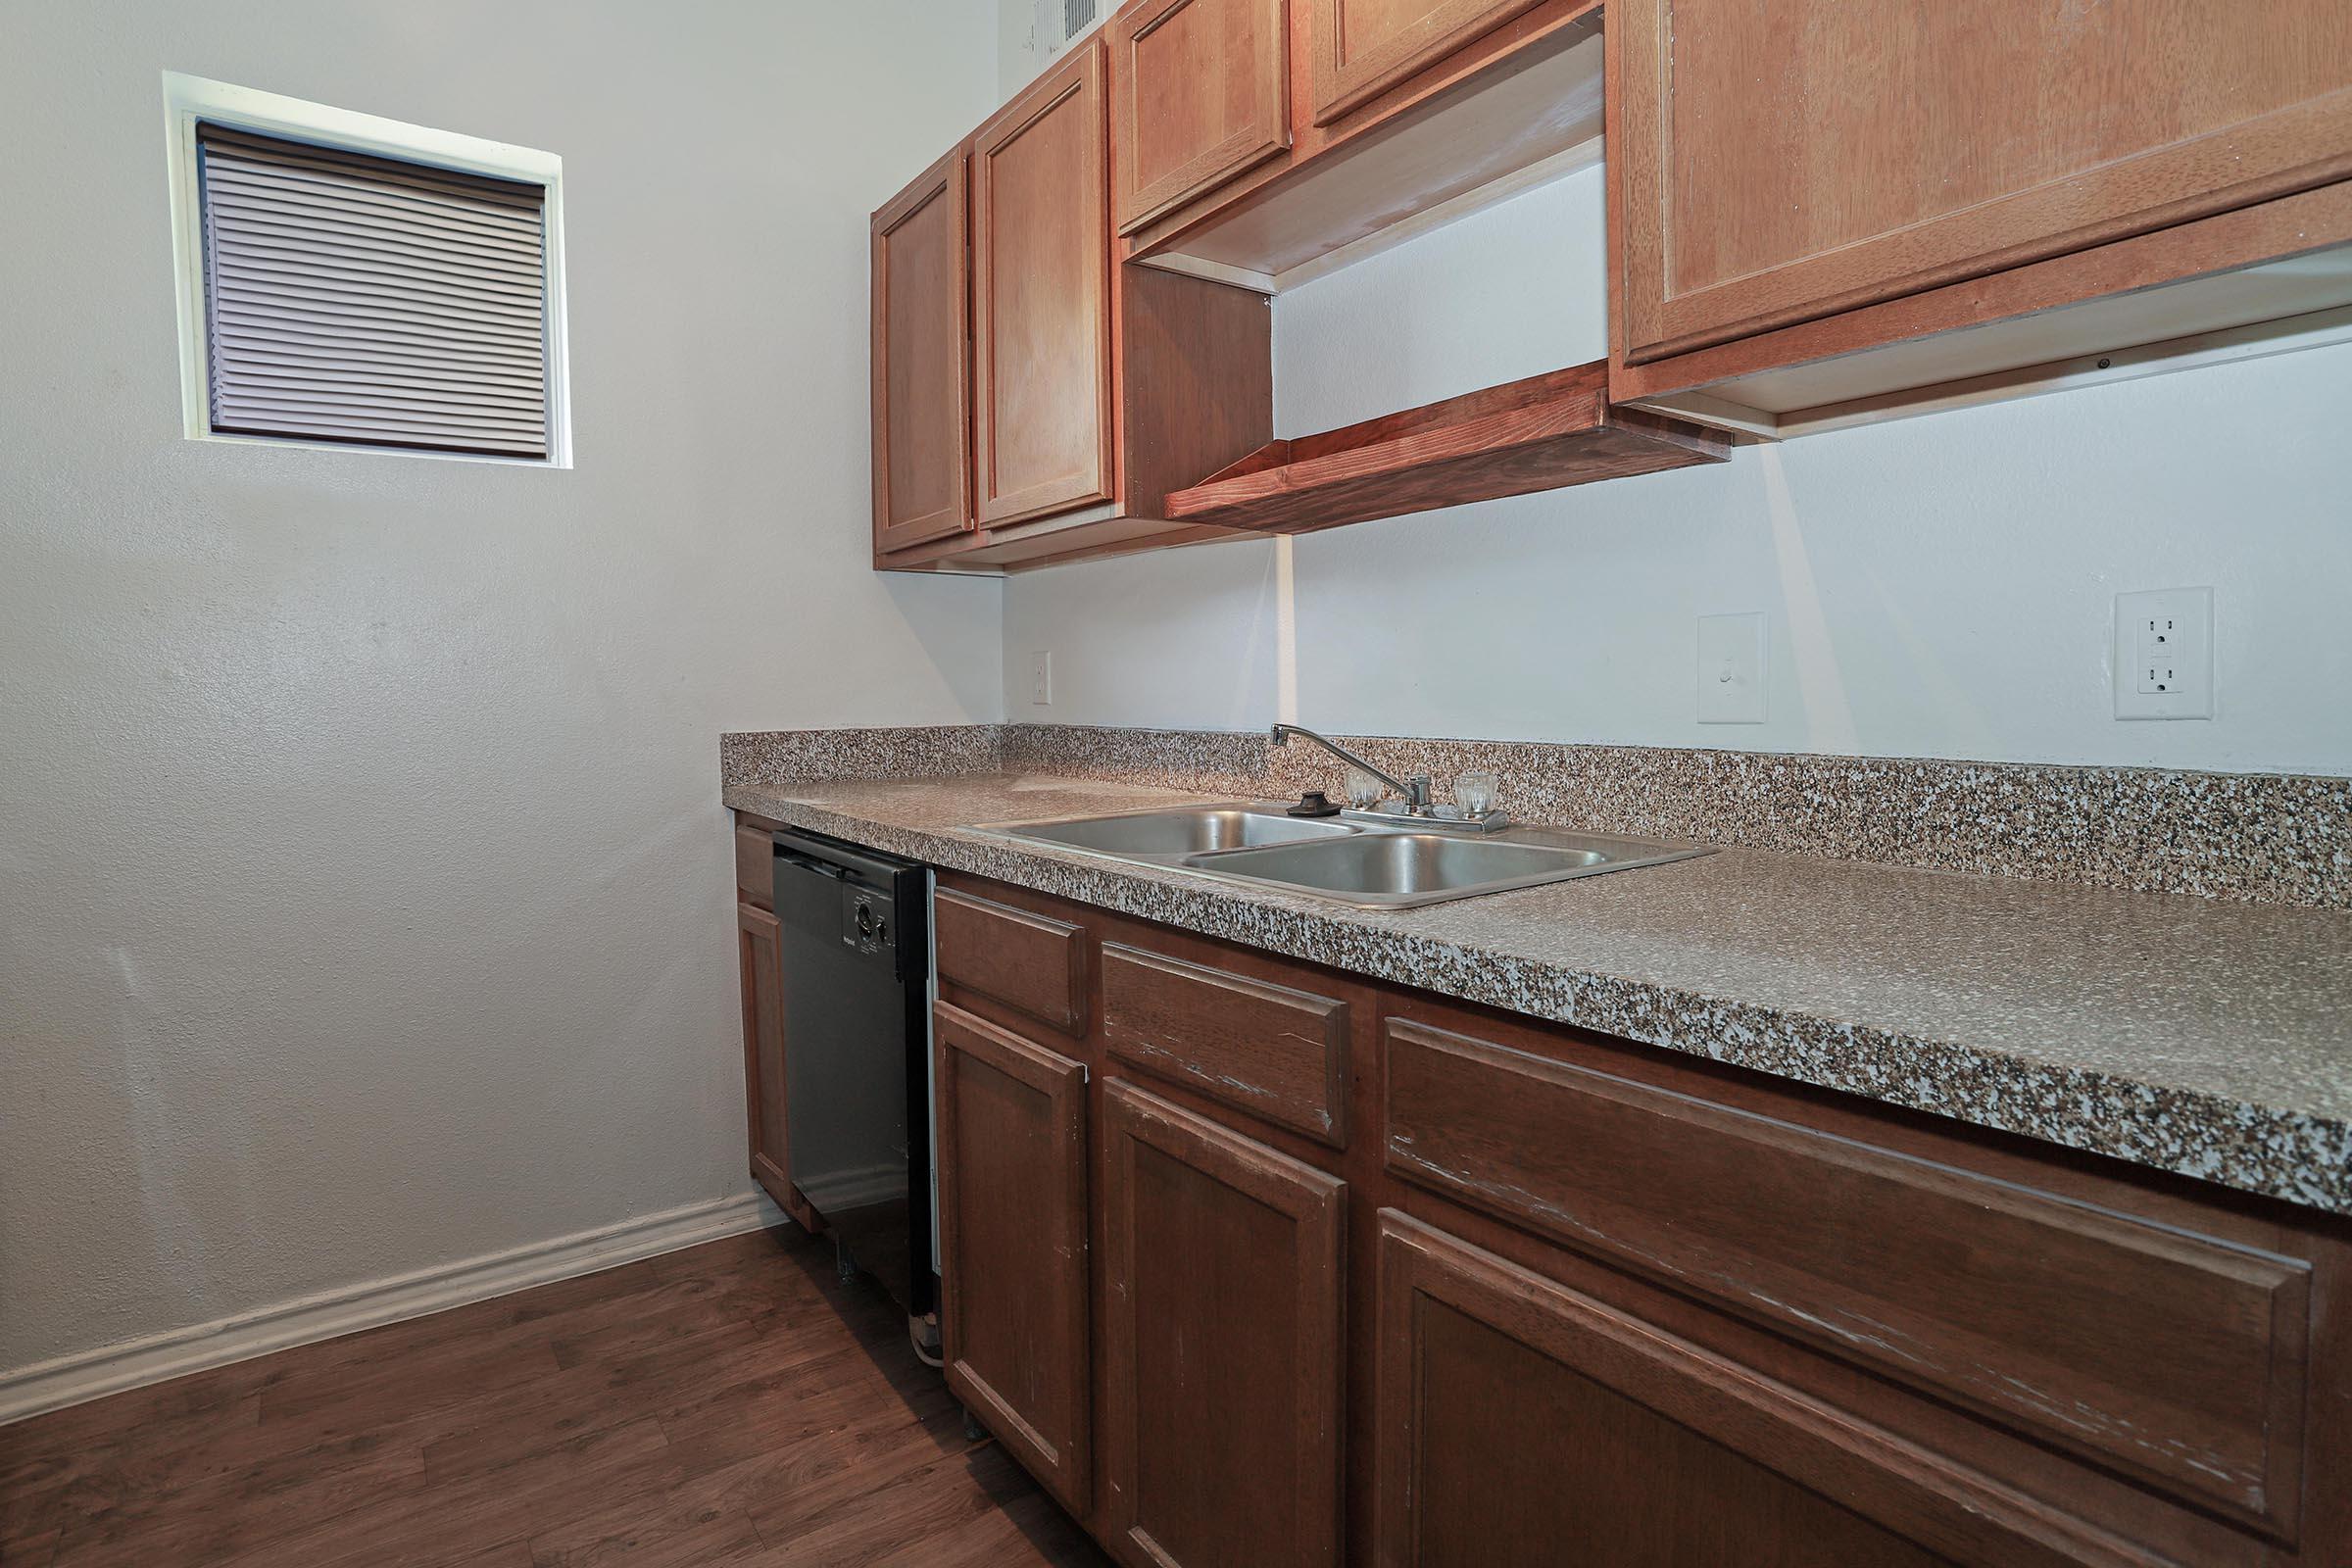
(733, 1405)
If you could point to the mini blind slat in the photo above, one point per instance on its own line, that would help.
(519, 398)
(487, 189)
(439, 293)
(354, 298)
(261, 307)
(373, 249)
(311, 357)
(375, 431)
(290, 321)
(271, 220)
(344, 198)
(390, 352)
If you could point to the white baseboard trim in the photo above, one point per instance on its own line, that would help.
(92, 1374)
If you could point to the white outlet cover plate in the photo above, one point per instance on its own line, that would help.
(2163, 656)
(1731, 668)
(1041, 678)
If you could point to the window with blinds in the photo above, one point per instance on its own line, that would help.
(369, 300)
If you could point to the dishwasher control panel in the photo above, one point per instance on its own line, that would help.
(866, 919)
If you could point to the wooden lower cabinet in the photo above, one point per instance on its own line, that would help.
(760, 965)
(1521, 1424)
(1258, 1264)
(1222, 1338)
(759, 973)
(1012, 1215)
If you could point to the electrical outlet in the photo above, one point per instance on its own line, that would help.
(1041, 678)
(1731, 668)
(2164, 654)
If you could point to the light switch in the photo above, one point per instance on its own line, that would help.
(1731, 668)
(2164, 654)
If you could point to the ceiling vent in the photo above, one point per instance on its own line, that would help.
(1061, 21)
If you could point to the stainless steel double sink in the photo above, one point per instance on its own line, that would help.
(1359, 860)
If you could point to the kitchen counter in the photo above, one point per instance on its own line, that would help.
(2209, 1039)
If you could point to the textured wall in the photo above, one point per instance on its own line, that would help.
(363, 889)
(1938, 586)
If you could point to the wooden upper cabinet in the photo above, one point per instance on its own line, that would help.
(1782, 163)
(921, 361)
(1041, 309)
(1364, 47)
(1200, 95)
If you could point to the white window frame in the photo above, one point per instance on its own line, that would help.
(188, 99)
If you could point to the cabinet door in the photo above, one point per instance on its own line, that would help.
(1521, 1422)
(1013, 1196)
(760, 960)
(1364, 47)
(921, 361)
(1785, 162)
(1222, 1336)
(1199, 91)
(1041, 306)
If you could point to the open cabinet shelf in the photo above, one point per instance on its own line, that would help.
(1542, 433)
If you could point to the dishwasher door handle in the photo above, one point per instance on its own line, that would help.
(838, 873)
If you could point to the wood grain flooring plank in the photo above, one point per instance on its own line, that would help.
(437, 1521)
(733, 1405)
(900, 1515)
(242, 1512)
(29, 1552)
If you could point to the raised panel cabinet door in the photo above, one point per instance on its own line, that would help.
(1781, 163)
(923, 361)
(1221, 1342)
(1519, 1422)
(1041, 298)
(1200, 89)
(760, 960)
(1364, 47)
(1012, 1211)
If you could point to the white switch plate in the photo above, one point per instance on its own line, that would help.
(1731, 668)
(1041, 678)
(2164, 654)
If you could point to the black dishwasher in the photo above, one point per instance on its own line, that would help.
(857, 971)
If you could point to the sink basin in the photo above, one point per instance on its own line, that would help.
(1363, 861)
(1394, 869)
(1173, 835)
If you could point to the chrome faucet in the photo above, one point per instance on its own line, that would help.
(1414, 790)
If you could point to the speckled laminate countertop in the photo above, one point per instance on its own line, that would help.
(2210, 1039)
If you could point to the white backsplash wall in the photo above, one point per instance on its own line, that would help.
(1936, 586)
(366, 899)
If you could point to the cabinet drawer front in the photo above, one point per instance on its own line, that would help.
(2175, 1356)
(1222, 1338)
(755, 867)
(1364, 47)
(1264, 1048)
(1199, 88)
(1513, 1413)
(1012, 1244)
(1782, 163)
(1032, 963)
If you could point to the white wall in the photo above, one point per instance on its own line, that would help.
(1938, 586)
(364, 895)
(1019, 55)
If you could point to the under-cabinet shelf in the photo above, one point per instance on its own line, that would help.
(1542, 433)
